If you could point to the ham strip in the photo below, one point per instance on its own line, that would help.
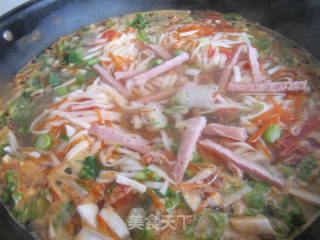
(156, 71)
(117, 136)
(255, 66)
(245, 165)
(126, 75)
(187, 147)
(108, 78)
(159, 96)
(268, 87)
(227, 71)
(159, 50)
(236, 133)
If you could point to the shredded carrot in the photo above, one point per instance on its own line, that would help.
(58, 104)
(157, 202)
(273, 119)
(186, 186)
(55, 131)
(104, 228)
(99, 115)
(42, 124)
(117, 65)
(69, 146)
(266, 115)
(264, 149)
(97, 190)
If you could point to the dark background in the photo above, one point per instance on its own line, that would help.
(37, 24)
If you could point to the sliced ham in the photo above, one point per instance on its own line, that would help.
(118, 136)
(187, 146)
(108, 78)
(162, 68)
(159, 96)
(227, 71)
(268, 87)
(126, 75)
(255, 66)
(236, 133)
(161, 51)
(249, 167)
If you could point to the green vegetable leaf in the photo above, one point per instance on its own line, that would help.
(3, 120)
(207, 225)
(172, 200)
(75, 55)
(263, 44)
(64, 215)
(139, 22)
(143, 234)
(255, 200)
(90, 169)
(305, 168)
(232, 17)
(11, 186)
(33, 209)
(19, 112)
(33, 85)
(143, 36)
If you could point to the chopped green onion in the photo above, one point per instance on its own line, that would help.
(156, 61)
(177, 52)
(64, 138)
(142, 175)
(73, 87)
(60, 91)
(272, 134)
(43, 141)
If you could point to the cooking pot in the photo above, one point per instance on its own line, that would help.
(30, 28)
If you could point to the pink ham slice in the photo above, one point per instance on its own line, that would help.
(162, 68)
(126, 75)
(187, 146)
(268, 87)
(236, 133)
(159, 50)
(117, 136)
(108, 78)
(227, 71)
(249, 167)
(255, 66)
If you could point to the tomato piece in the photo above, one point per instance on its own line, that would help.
(121, 195)
(109, 35)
